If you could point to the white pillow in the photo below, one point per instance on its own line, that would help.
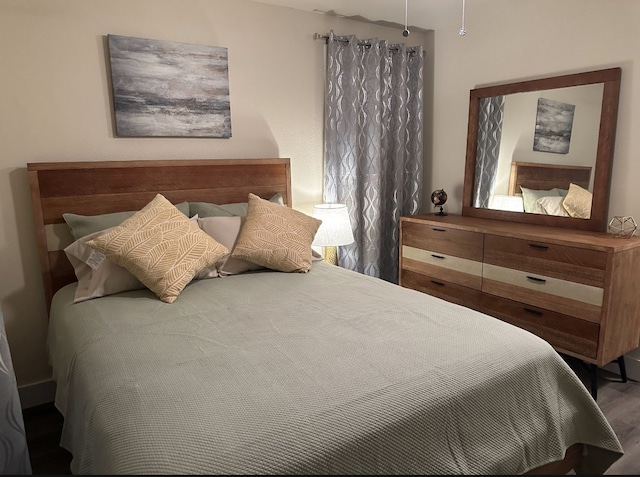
(225, 230)
(97, 275)
(551, 206)
(530, 196)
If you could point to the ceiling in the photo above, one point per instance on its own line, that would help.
(421, 14)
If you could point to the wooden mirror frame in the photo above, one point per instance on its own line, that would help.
(604, 155)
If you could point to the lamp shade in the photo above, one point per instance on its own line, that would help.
(335, 229)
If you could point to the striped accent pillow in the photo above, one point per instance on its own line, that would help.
(161, 247)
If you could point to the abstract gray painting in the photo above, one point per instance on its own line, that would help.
(554, 123)
(169, 89)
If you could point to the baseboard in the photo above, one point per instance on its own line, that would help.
(632, 364)
(37, 393)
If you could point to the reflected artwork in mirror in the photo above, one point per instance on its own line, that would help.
(541, 151)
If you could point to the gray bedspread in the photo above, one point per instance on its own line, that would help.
(323, 373)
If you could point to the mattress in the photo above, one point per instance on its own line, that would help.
(328, 372)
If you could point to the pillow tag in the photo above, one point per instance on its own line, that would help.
(95, 259)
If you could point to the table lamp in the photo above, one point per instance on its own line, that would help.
(334, 231)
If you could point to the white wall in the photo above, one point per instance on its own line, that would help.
(509, 40)
(55, 106)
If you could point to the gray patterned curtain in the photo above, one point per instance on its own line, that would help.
(14, 454)
(373, 145)
(490, 117)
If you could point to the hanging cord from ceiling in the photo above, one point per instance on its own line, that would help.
(406, 31)
(463, 30)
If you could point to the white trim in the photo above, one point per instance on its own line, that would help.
(37, 393)
(632, 364)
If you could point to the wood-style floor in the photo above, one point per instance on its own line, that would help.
(43, 425)
(620, 403)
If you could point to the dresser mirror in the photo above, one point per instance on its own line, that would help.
(541, 151)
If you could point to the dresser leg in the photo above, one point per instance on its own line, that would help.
(623, 368)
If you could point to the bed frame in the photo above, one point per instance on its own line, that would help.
(90, 188)
(538, 176)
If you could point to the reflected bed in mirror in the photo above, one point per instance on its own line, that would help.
(537, 188)
(534, 147)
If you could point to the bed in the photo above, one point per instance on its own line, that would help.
(549, 189)
(265, 372)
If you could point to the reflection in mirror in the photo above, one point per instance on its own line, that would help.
(508, 128)
(540, 151)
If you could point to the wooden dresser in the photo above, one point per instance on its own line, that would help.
(578, 290)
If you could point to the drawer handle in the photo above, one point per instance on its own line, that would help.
(536, 279)
(539, 247)
(440, 257)
(440, 284)
(439, 230)
(532, 311)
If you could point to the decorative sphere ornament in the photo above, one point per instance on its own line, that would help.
(439, 198)
(622, 226)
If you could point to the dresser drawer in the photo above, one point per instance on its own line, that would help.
(563, 332)
(442, 239)
(442, 266)
(469, 297)
(558, 261)
(567, 297)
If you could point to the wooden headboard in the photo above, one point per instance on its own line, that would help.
(547, 176)
(91, 188)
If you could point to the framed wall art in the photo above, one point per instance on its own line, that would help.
(169, 89)
(554, 122)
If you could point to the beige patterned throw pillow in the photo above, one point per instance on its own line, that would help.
(225, 230)
(276, 237)
(577, 203)
(161, 247)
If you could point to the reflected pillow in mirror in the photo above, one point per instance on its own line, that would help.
(530, 196)
(577, 203)
(551, 206)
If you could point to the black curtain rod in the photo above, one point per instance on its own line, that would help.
(318, 36)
